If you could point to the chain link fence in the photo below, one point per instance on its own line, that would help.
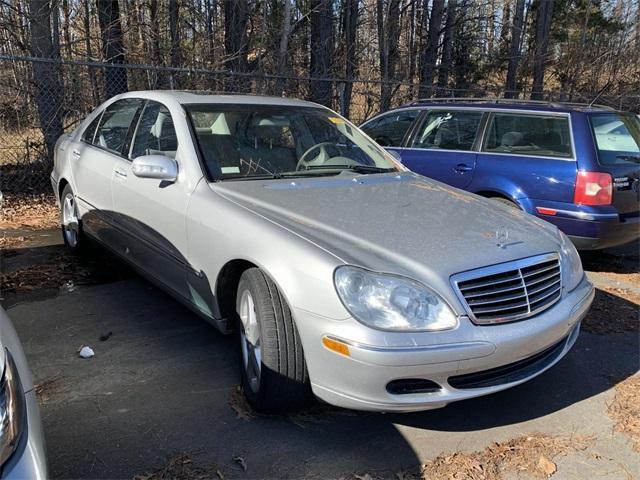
(41, 98)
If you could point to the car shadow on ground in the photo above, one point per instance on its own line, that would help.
(166, 382)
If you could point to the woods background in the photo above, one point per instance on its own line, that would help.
(59, 59)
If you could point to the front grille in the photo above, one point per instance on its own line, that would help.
(512, 372)
(511, 291)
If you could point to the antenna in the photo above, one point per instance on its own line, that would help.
(602, 90)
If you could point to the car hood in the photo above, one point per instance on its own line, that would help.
(402, 223)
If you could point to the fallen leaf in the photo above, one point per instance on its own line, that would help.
(547, 466)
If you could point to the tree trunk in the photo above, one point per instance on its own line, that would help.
(174, 31)
(236, 44)
(283, 65)
(350, 26)
(447, 46)
(46, 76)
(112, 46)
(388, 37)
(543, 27)
(510, 86)
(95, 92)
(321, 43)
(430, 53)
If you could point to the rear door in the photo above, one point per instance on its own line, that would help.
(93, 160)
(442, 146)
(528, 154)
(617, 142)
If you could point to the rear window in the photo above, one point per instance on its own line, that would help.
(530, 135)
(617, 138)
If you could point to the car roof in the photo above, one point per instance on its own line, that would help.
(510, 104)
(187, 97)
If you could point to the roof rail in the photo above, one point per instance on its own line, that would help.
(506, 101)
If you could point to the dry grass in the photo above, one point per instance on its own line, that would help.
(45, 275)
(529, 456)
(181, 467)
(33, 212)
(614, 310)
(625, 409)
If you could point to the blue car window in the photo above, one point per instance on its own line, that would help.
(448, 130)
(389, 130)
(530, 135)
(617, 138)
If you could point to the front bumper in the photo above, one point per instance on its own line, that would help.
(377, 358)
(29, 460)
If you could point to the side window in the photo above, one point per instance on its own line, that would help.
(155, 133)
(115, 123)
(90, 131)
(448, 130)
(535, 135)
(389, 130)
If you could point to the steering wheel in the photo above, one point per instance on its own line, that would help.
(320, 158)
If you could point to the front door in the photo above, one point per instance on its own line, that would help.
(442, 146)
(151, 213)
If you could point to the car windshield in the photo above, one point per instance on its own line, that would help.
(617, 138)
(254, 141)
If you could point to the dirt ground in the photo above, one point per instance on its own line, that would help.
(160, 399)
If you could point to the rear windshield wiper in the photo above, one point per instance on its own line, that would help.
(633, 158)
(354, 168)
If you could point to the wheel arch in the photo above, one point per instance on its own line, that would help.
(226, 286)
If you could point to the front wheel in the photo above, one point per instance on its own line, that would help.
(69, 220)
(274, 372)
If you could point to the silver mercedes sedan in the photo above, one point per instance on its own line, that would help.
(22, 451)
(344, 274)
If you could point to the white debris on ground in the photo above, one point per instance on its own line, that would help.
(86, 352)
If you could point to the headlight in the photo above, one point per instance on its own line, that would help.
(389, 302)
(12, 409)
(571, 264)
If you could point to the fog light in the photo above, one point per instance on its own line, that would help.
(336, 346)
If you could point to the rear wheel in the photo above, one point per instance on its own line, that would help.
(274, 373)
(69, 220)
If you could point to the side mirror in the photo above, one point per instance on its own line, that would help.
(159, 167)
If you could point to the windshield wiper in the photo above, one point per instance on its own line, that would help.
(633, 158)
(354, 168)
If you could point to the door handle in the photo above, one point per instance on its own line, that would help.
(76, 153)
(462, 168)
(120, 174)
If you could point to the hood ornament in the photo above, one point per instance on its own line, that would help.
(502, 237)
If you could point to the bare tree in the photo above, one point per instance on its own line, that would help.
(388, 17)
(543, 27)
(430, 52)
(112, 46)
(283, 51)
(321, 46)
(46, 75)
(510, 86)
(236, 43)
(351, 11)
(447, 45)
(174, 32)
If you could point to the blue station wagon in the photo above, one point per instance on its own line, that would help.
(576, 166)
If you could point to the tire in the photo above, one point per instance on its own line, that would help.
(70, 224)
(274, 372)
(507, 202)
